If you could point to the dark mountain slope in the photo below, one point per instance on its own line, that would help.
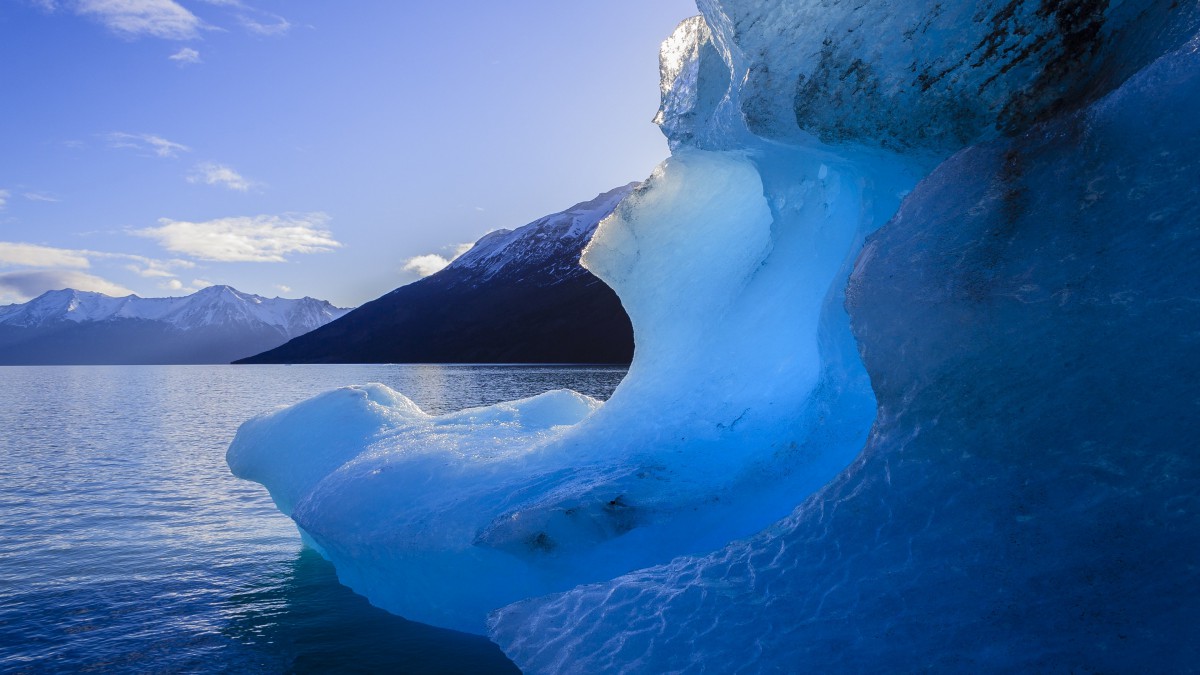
(517, 296)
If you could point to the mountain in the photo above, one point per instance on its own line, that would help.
(518, 296)
(214, 325)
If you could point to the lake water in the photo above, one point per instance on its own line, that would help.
(126, 544)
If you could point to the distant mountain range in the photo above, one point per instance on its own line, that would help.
(217, 324)
(518, 296)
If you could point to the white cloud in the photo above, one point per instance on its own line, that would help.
(178, 286)
(283, 288)
(427, 264)
(164, 19)
(265, 238)
(211, 173)
(33, 255)
(36, 255)
(185, 56)
(4, 198)
(430, 263)
(26, 285)
(146, 143)
(39, 197)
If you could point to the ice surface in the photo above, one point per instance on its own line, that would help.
(1027, 500)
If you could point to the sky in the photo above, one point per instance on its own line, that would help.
(306, 147)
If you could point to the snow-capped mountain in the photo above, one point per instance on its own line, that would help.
(214, 325)
(517, 296)
(549, 246)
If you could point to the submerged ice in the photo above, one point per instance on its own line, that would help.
(797, 129)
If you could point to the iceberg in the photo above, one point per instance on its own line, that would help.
(745, 393)
(926, 479)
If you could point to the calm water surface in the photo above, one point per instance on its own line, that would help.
(126, 545)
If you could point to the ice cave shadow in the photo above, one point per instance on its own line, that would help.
(304, 621)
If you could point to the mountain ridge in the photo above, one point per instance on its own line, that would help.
(216, 324)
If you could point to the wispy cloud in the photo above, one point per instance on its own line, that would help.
(266, 23)
(211, 173)
(4, 194)
(25, 285)
(20, 254)
(146, 143)
(169, 20)
(34, 255)
(276, 25)
(40, 197)
(185, 56)
(151, 268)
(164, 19)
(431, 263)
(265, 238)
(283, 288)
(54, 268)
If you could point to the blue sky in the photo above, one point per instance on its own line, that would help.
(296, 148)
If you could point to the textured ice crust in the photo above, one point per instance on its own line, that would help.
(916, 76)
(1028, 498)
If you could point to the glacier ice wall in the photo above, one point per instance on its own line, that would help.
(1027, 499)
